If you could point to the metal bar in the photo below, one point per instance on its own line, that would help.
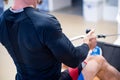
(77, 37)
(98, 36)
(112, 35)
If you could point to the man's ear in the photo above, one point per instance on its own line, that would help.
(6, 1)
(40, 2)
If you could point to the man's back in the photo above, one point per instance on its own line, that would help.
(23, 36)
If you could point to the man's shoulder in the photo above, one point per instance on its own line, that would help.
(36, 14)
(40, 18)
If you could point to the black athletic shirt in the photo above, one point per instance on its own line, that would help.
(37, 44)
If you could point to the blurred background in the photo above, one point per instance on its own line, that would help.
(75, 17)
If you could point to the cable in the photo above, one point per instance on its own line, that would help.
(98, 36)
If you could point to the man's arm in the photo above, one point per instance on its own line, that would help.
(61, 46)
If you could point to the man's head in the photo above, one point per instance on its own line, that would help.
(32, 2)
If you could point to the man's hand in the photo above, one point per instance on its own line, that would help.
(90, 39)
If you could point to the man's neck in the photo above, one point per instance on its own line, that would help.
(20, 5)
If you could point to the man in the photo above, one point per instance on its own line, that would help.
(37, 44)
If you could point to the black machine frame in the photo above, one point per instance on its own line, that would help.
(111, 53)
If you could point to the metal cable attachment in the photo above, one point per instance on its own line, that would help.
(98, 36)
